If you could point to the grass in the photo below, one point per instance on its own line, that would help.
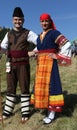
(67, 120)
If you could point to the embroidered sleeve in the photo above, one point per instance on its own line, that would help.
(64, 54)
(61, 40)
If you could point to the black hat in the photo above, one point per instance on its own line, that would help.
(18, 12)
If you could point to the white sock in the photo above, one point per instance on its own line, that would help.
(51, 114)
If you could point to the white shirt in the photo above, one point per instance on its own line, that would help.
(32, 37)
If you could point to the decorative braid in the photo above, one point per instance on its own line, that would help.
(25, 103)
(9, 105)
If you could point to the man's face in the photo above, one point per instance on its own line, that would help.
(46, 24)
(18, 22)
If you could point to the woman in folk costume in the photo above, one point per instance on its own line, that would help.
(53, 48)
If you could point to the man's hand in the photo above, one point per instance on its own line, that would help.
(31, 53)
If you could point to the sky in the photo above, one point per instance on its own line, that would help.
(63, 13)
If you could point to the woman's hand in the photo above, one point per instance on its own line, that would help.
(52, 55)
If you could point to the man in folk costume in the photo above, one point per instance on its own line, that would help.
(15, 44)
(53, 48)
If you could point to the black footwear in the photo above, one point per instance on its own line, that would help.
(24, 120)
(3, 117)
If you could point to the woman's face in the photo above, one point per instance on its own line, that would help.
(46, 24)
(18, 22)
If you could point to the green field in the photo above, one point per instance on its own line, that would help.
(67, 120)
